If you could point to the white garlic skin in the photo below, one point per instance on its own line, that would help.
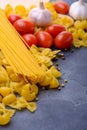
(41, 17)
(78, 10)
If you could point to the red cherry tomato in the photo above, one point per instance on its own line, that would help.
(30, 39)
(24, 26)
(64, 40)
(55, 29)
(13, 17)
(44, 39)
(61, 7)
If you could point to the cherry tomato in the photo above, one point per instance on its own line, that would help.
(44, 39)
(61, 7)
(24, 26)
(13, 17)
(63, 40)
(55, 29)
(30, 39)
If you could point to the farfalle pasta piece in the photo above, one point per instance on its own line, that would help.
(32, 106)
(11, 111)
(19, 104)
(49, 53)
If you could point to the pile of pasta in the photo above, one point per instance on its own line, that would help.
(79, 31)
(17, 91)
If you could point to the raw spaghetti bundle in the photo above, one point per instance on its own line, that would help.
(16, 53)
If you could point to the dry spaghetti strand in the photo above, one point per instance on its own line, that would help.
(16, 53)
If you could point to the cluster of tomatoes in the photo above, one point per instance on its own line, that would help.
(53, 35)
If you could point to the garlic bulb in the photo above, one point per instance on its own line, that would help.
(40, 16)
(78, 10)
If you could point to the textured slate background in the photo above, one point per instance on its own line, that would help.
(60, 110)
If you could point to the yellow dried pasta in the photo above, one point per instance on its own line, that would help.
(79, 33)
(16, 91)
(21, 93)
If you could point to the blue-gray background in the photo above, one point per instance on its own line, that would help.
(60, 110)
